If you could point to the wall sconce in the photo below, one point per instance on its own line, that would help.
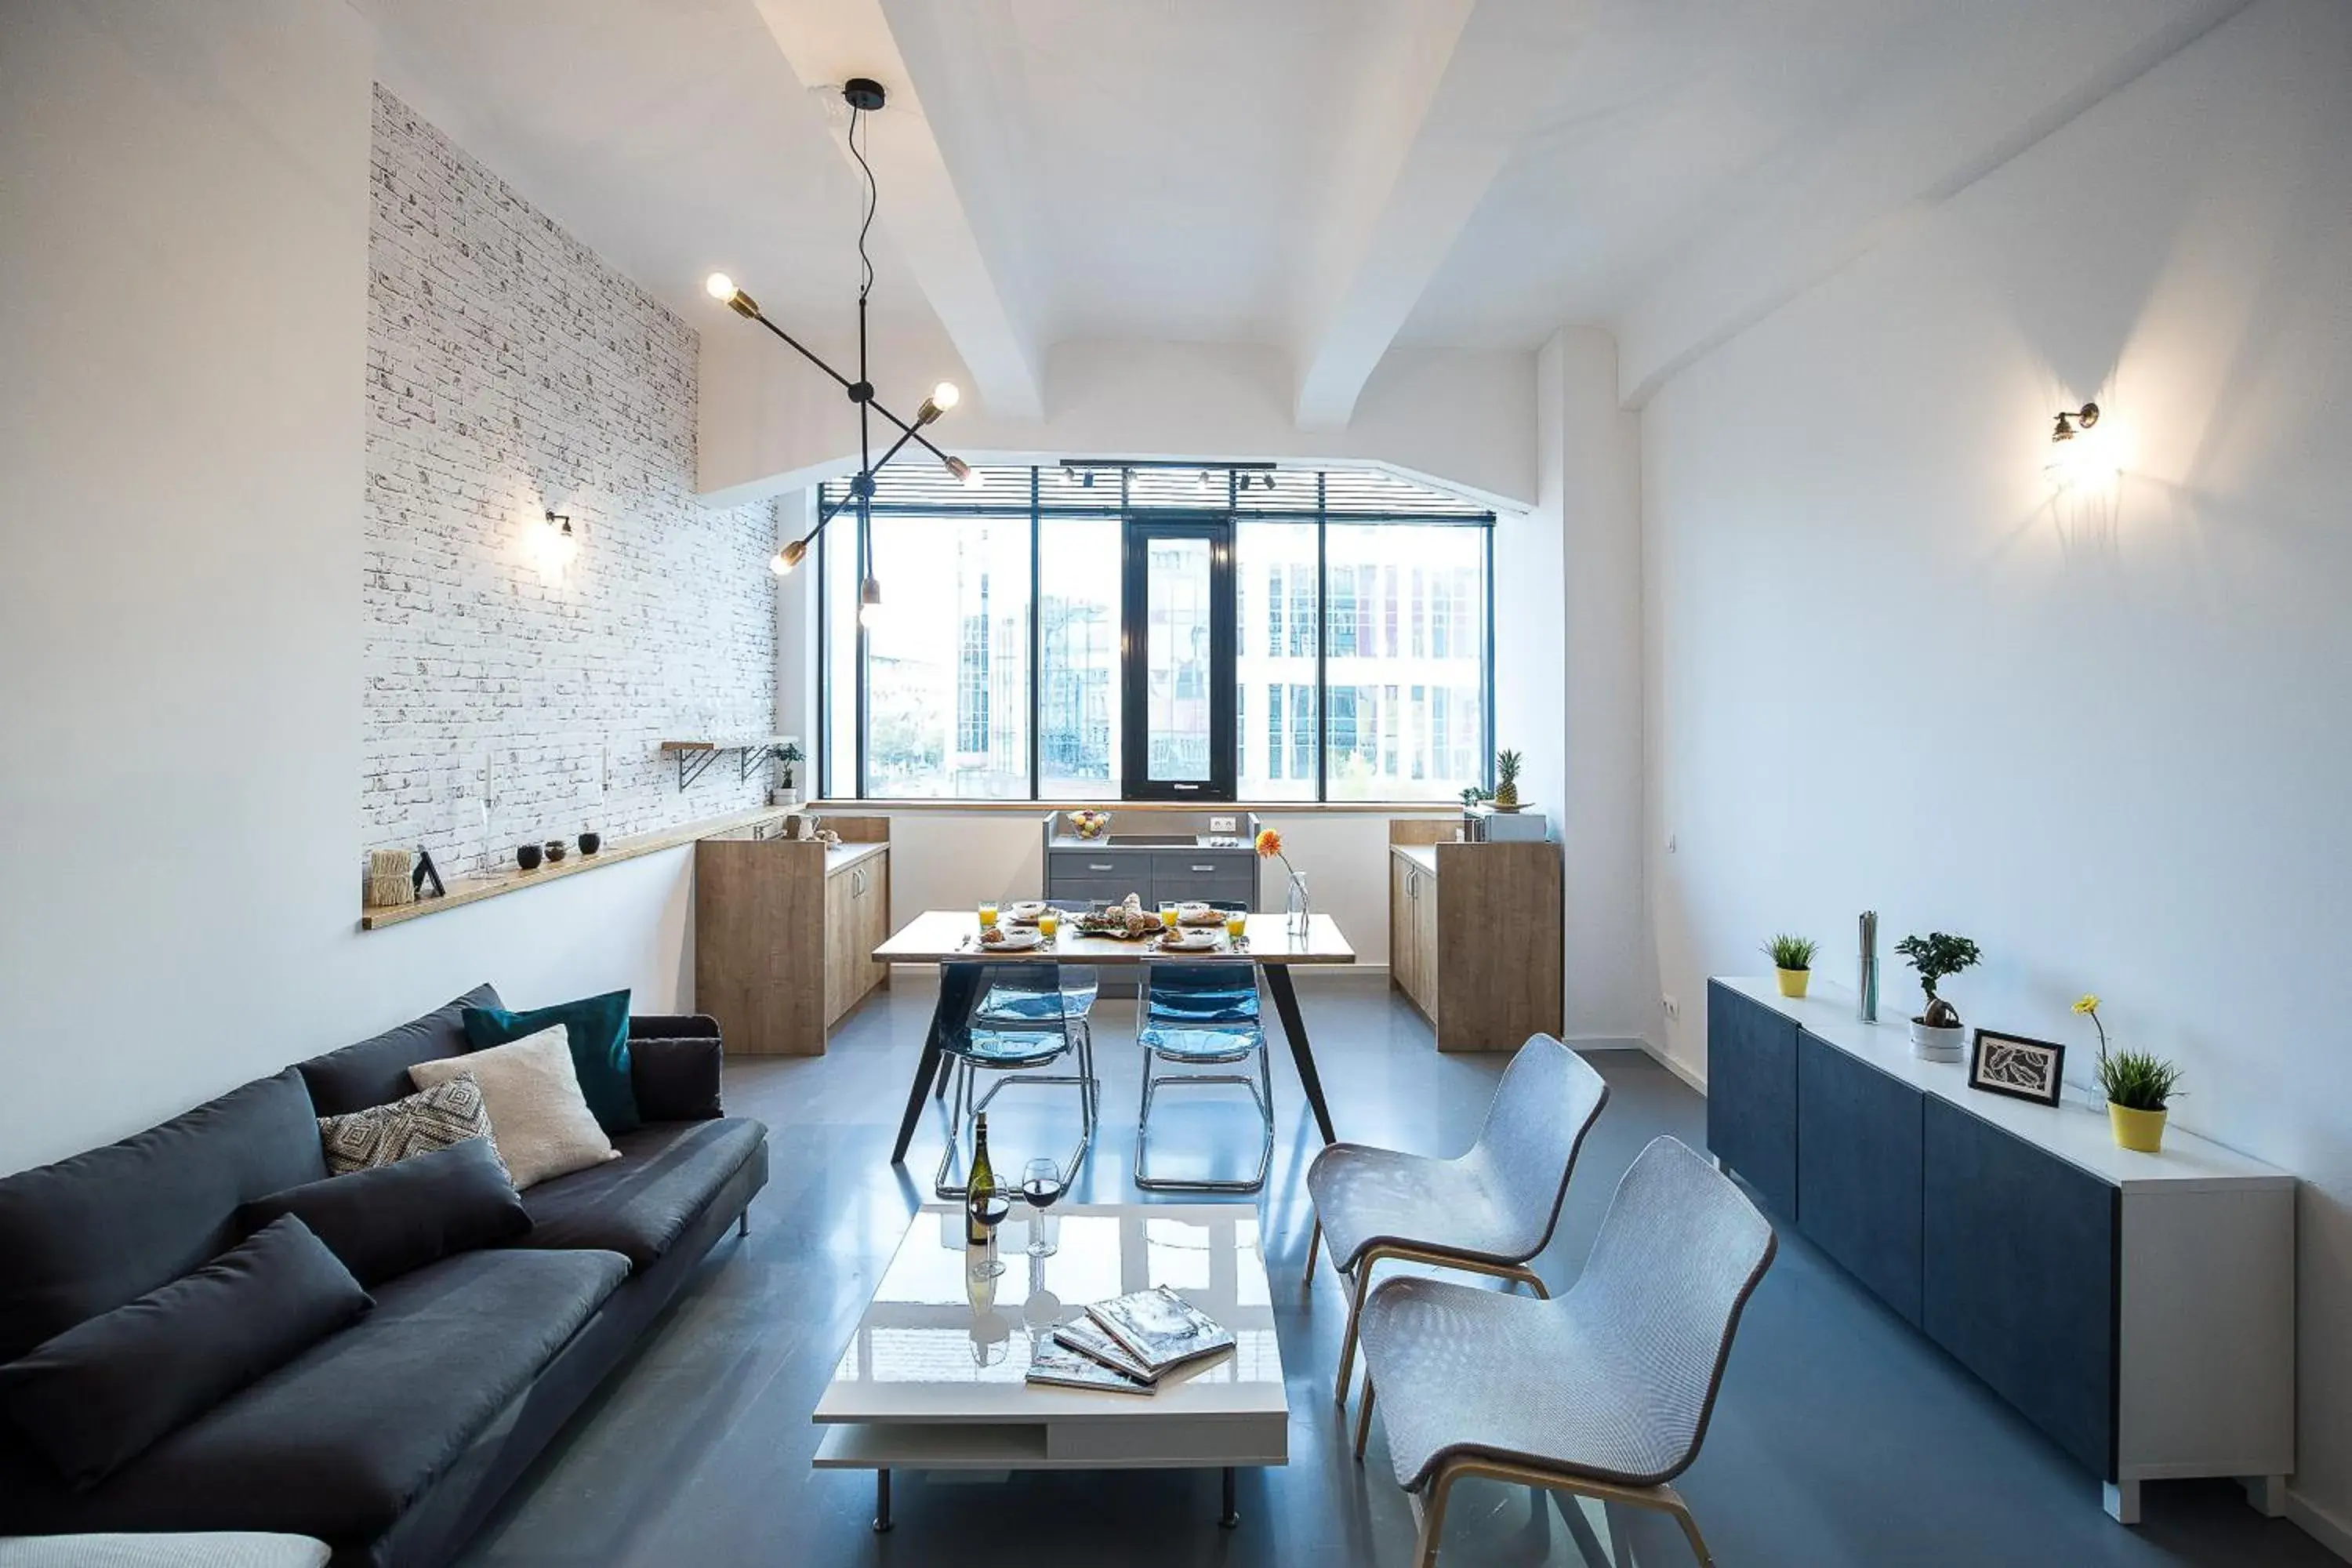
(561, 542)
(2073, 422)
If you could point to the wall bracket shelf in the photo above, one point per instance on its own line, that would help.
(695, 757)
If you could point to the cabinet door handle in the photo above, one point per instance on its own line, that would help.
(1205, 867)
(1094, 867)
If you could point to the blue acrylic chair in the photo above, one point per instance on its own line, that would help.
(1200, 1015)
(1024, 1018)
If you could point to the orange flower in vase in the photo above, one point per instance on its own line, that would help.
(1269, 848)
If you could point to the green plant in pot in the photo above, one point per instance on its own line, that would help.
(2139, 1088)
(1936, 1033)
(789, 755)
(1792, 961)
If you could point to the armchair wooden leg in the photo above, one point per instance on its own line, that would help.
(1690, 1532)
(1364, 1419)
(1432, 1520)
(1348, 1339)
(1314, 1240)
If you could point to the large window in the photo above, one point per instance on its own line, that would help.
(1294, 636)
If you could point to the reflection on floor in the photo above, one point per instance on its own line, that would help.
(1842, 1439)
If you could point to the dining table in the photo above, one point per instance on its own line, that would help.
(951, 938)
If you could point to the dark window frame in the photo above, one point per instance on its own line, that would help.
(1114, 507)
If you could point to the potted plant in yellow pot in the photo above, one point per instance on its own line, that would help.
(1792, 961)
(2139, 1088)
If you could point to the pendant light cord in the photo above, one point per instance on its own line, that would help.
(873, 201)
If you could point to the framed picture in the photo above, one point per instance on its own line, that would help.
(2017, 1067)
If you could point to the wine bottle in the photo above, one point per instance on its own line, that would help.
(981, 1197)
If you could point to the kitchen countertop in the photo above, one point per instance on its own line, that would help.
(1138, 841)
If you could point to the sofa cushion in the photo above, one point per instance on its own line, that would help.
(384, 1222)
(339, 1441)
(106, 1389)
(637, 1205)
(678, 1077)
(597, 1030)
(541, 1123)
(212, 1549)
(376, 1070)
(86, 1234)
(449, 1113)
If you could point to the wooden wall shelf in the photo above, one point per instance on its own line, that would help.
(695, 757)
(464, 890)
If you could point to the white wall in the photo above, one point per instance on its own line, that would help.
(770, 422)
(2106, 737)
(183, 214)
(1568, 675)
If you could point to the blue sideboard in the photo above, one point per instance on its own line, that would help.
(2138, 1308)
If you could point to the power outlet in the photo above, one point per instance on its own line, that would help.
(1674, 1009)
(1224, 824)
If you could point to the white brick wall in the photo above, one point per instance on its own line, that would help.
(512, 373)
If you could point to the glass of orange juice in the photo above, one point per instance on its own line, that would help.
(987, 913)
(1167, 913)
(1236, 925)
(1049, 921)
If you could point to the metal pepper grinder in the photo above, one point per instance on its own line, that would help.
(1869, 980)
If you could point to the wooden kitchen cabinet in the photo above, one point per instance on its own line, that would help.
(784, 930)
(1474, 936)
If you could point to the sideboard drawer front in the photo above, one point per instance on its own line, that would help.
(2019, 1276)
(1859, 1137)
(1133, 867)
(1751, 1099)
(1107, 889)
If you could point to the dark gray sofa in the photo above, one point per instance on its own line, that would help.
(391, 1439)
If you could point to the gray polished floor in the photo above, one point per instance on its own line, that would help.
(1842, 1439)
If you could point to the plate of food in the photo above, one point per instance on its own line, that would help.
(1189, 942)
(1025, 913)
(1120, 922)
(999, 938)
(1198, 914)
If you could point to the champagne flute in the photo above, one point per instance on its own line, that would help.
(1043, 1184)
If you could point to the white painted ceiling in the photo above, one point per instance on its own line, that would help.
(1329, 176)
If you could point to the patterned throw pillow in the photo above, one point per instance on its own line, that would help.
(448, 1112)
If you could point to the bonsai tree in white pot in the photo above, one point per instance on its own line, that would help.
(1935, 1032)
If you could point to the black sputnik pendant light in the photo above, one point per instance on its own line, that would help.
(864, 97)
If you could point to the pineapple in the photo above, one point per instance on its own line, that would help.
(1507, 781)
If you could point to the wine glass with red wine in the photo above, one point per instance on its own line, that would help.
(1042, 1185)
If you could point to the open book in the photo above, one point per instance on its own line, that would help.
(1159, 1328)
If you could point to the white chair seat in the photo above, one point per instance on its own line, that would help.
(1364, 1194)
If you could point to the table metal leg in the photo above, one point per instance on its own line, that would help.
(959, 983)
(881, 1501)
(1294, 1029)
(1230, 1519)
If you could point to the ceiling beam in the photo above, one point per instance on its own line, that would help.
(826, 42)
(1438, 114)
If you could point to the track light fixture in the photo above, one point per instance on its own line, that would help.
(864, 97)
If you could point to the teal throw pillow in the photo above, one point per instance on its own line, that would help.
(597, 1028)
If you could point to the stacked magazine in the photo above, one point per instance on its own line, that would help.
(1128, 1343)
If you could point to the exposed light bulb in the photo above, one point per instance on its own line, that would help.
(720, 286)
(785, 560)
(946, 396)
(965, 474)
(869, 605)
(869, 615)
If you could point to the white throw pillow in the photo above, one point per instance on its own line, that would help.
(538, 1115)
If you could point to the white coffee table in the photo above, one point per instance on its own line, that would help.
(933, 1378)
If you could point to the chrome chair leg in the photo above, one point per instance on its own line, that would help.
(1263, 1098)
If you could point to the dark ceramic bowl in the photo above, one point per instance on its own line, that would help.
(526, 856)
(591, 842)
(555, 847)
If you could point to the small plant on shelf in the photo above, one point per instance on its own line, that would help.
(2140, 1088)
(1935, 1032)
(789, 756)
(1475, 797)
(1792, 956)
(1507, 781)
